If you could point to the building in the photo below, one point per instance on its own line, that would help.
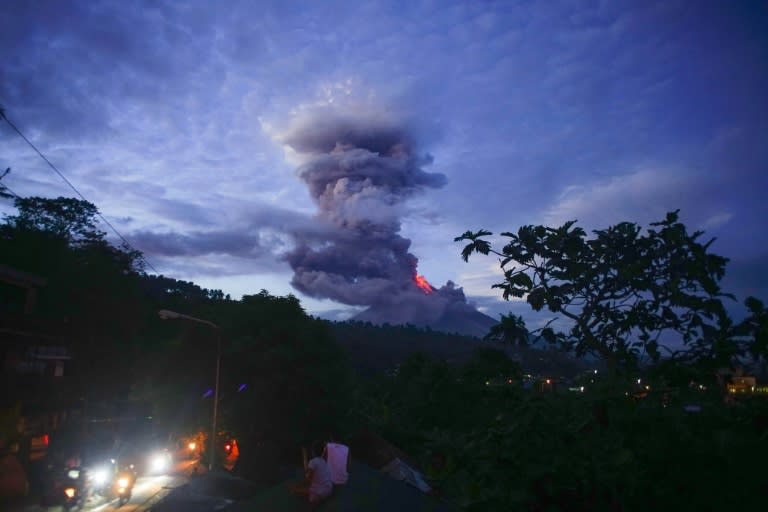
(36, 362)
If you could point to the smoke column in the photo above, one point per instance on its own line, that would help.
(360, 171)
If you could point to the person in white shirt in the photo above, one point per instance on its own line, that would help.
(338, 456)
(318, 485)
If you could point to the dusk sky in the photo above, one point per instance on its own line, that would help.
(186, 122)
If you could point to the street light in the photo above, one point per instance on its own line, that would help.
(172, 315)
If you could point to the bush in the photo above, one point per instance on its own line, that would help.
(502, 448)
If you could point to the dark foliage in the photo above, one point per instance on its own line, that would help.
(622, 291)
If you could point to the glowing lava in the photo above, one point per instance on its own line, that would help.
(422, 283)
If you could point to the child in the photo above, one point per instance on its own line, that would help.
(318, 485)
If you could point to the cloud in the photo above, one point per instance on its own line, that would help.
(717, 220)
(169, 113)
(648, 194)
(235, 243)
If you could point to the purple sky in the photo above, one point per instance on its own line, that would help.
(172, 117)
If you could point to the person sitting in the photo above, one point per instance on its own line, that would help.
(318, 485)
(338, 456)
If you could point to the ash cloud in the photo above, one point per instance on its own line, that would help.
(360, 170)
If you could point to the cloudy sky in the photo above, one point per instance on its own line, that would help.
(179, 120)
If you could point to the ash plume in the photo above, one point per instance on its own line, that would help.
(360, 170)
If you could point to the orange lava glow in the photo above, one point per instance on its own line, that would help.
(422, 283)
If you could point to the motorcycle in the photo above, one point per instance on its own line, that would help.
(101, 476)
(113, 480)
(123, 486)
(73, 490)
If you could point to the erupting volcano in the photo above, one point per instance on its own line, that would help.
(422, 283)
(360, 170)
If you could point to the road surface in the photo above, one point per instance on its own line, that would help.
(147, 491)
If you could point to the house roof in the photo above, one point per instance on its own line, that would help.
(376, 451)
(367, 490)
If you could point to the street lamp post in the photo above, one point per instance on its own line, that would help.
(172, 315)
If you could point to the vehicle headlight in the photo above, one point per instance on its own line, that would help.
(122, 482)
(70, 492)
(100, 476)
(158, 462)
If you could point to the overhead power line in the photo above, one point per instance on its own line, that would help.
(4, 187)
(114, 230)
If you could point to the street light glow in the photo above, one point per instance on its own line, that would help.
(166, 314)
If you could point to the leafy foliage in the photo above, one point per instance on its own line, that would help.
(71, 219)
(623, 291)
(490, 447)
(510, 329)
(755, 329)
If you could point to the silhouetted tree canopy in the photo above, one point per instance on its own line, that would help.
(510, 330)
(624, 291)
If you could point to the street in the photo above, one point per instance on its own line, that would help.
(147, 491)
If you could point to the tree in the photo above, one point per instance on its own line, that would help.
(91, 293)
(510, 330)
(298, 380)
(753, 330)
(65, 217)
(624, 291)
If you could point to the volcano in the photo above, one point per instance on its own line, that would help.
(468, 322)
(361, 166)
(441, 309)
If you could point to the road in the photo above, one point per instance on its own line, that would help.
(147, 491)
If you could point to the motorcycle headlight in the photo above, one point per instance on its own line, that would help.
(122, 482)
(100, 476)
(73, 474)
(70, 492)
